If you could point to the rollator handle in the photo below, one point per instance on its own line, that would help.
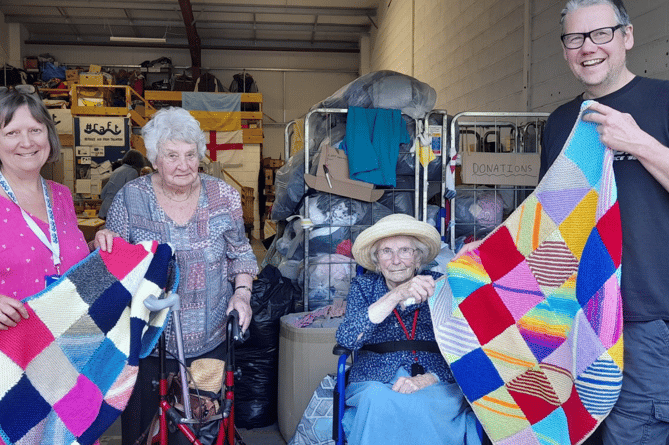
(154, 304)
(235, 330)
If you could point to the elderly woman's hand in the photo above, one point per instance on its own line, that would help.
(408, 385)
(11, 312)
(241, 301)
(414, 291)
(104, 239)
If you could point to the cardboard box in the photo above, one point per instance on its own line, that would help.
(94, 69)
(72, 76)
(31, 63)
(269, 176)
(520, 169)
(272, 163)
(305, 357)
(339, 182)
(93, 79)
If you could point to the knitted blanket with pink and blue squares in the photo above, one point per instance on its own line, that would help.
(68, 370)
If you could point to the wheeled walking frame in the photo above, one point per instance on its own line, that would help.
(180, 421)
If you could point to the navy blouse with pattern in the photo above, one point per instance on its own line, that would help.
(371, 366)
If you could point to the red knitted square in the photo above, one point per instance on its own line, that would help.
(486, 313)
(499, 254)
(581, 423)
(610, 231)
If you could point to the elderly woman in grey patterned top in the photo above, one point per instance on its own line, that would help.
(201, 216)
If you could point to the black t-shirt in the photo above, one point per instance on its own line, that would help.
(644, 203)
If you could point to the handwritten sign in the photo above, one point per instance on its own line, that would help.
(103, 131)
(520, 169)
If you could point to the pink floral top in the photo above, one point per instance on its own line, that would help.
(24, 259)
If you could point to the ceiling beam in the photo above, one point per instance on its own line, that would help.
(201, 24)
(194, 43)
(200, 7)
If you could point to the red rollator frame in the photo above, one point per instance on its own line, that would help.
(169, 415)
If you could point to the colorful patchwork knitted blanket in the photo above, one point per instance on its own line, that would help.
(531, 321)
(69, 369)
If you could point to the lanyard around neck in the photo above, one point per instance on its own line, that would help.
(404, 328)
(52, 245)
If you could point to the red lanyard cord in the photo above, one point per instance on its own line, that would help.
(413, 328)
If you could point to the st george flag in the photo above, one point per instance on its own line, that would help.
(220, 118)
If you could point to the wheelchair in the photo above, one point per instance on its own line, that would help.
(339, 396)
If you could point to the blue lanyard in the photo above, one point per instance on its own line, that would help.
(53, 246)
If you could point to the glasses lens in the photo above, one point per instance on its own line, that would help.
(573, 41)
(404, 253)
(601, 36)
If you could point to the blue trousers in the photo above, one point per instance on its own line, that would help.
(641, 414)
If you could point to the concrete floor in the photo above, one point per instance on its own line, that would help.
(269, 435)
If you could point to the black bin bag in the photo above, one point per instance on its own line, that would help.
(256, 389)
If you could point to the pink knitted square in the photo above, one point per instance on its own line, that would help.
(26, 340)
(79, 408)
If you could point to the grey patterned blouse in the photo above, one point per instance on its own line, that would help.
(210, 249)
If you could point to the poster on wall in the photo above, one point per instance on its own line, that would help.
(102, 131)
(63, 119)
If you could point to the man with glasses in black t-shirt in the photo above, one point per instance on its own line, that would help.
(632, 114)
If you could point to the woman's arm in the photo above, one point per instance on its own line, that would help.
(419, 288)
(241, 299)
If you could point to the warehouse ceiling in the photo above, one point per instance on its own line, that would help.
(269, 25)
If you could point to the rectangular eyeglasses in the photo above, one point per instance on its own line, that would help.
(599, 36)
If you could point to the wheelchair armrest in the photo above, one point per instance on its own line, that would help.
(340, 350)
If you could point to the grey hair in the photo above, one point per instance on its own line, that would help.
(172, 124)
(12, 100)
(421, 247)
(618, 8)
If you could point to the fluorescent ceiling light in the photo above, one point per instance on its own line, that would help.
(138, 39)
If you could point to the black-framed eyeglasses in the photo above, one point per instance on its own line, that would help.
(599, 36)
(21, 88)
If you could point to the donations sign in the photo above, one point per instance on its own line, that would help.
(520, 169)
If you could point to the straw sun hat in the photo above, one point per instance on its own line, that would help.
(207, 373)
(398, 224)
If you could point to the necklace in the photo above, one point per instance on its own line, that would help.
(190, 192)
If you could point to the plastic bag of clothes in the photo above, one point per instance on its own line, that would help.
(289, 188)
(385, 89)
(329, 279)
(273, 296)
(477, 212)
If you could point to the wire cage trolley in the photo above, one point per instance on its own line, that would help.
(491, 167)
(326, 275)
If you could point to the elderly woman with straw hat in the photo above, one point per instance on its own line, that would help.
(400, 390)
